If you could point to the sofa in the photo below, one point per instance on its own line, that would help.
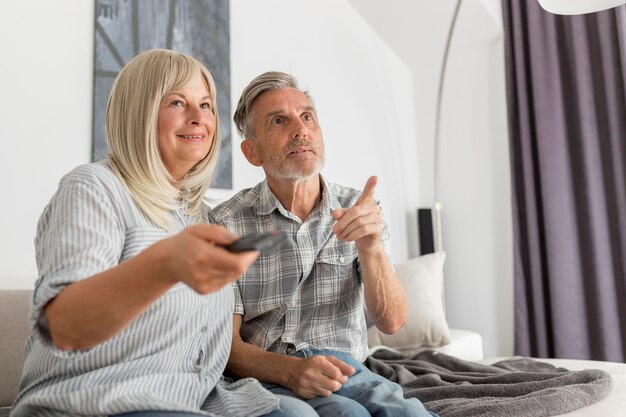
(14, 306)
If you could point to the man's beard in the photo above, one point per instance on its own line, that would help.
(286, 169)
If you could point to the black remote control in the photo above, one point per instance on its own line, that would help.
(262, 243)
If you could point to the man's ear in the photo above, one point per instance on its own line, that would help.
(249, 151)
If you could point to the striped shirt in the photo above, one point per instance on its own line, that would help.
(170, 358)
(309, 293)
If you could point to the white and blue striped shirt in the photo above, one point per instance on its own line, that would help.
(170, 358)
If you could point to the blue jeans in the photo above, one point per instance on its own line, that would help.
(366, 394)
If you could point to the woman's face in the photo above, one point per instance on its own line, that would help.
(186, 125)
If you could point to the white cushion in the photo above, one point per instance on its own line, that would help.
(426, 324)
(464, 344)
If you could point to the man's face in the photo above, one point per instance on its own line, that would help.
(288, 140)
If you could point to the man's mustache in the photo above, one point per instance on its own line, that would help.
(298, 143)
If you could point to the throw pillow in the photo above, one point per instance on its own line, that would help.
(426, 324)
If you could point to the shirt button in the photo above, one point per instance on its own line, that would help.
(204, 329)
(342, 259)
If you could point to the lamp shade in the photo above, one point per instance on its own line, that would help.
(578, 6)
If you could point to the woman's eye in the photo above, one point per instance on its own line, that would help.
(177, 103)
(206, 106)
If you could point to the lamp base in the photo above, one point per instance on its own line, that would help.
(425, 230)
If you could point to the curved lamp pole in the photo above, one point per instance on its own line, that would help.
(437, 229)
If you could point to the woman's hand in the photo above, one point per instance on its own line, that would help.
(196, 257)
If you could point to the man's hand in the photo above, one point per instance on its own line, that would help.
(319, 376)
(362, 223)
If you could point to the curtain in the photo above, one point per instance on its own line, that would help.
(566, 91)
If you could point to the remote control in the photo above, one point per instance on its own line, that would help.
(262, 243)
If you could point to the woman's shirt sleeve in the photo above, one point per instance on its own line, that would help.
(79, 234)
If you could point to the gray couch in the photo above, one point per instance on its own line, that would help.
(14, 306)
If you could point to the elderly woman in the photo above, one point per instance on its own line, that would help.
(132, 311)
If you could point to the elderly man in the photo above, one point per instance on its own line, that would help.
(299, 322)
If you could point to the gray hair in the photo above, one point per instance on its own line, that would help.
(244, 117)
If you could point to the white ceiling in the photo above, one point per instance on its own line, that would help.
(416, 30)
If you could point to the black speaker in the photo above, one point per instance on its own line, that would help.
(425, 230)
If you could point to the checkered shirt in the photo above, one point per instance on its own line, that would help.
(309, 293)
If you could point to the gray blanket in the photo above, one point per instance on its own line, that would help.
(515, 387)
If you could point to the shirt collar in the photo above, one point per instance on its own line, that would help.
(268, 202)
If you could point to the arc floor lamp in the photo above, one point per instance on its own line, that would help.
(429, 220)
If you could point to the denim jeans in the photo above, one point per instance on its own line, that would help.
(365, 394)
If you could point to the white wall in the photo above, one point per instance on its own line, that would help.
(475, 188)
(45, 117)
(475, 174)
(363, 92)
(477, 194)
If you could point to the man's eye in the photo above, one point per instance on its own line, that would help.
(277, 120)
(308, 117)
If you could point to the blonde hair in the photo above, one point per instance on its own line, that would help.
(132, 136)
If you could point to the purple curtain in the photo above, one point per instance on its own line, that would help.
(566, 91)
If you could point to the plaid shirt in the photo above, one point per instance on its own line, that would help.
(308, 294)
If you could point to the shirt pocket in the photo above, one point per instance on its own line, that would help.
(339, 254)
(336, 273)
